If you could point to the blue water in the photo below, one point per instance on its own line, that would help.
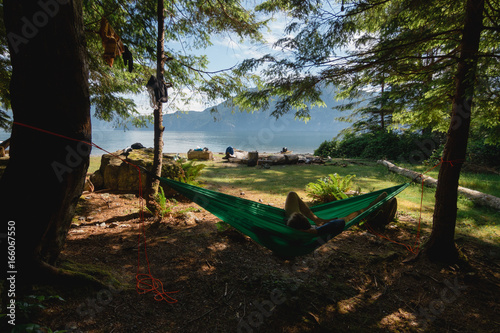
(266, 140)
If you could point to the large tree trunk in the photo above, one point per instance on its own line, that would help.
(49, 90)
(441, 245)
(158, 113)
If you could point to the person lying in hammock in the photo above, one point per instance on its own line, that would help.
(297, 214)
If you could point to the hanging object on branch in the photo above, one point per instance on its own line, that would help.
(111, 42)
(158, 90)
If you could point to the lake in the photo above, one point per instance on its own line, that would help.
(180, 142)
(266, 140)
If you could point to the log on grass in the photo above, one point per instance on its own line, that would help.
(479, 198)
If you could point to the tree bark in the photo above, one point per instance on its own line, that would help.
(49, 90)
(158, 112)
(441, 245)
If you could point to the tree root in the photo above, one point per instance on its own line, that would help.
(41, 273)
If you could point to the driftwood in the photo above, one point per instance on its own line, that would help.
(280, 159)
(479, 198)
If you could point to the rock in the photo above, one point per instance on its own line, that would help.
(117, 174)
(97, 179)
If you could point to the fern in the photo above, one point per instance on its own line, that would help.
(330, 188)
(163, 202)
(191, 172)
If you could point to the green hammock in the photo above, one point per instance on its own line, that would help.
(265, 224)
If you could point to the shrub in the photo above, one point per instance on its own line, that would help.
(330, 188)
(326, 148)
(382, 145)
(191, 172)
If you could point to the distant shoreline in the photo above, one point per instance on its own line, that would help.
(265, 141)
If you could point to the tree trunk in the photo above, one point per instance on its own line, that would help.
(382, 113)
(49, 90)
(441, 245)
(158, 113)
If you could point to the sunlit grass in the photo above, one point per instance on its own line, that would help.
(95, 162)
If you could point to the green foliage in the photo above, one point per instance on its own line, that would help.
(163, 203)
(222, 226)
(5, 120)
(408, 147)
(330, 188)
(35, 302)
(27, 306)
(327, 148)
(191, 172)
(390, 145)
(479, 152)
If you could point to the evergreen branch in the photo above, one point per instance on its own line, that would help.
(199, 70)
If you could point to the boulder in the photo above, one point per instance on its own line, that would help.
(119, 173)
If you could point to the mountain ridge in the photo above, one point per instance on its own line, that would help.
(230, 118)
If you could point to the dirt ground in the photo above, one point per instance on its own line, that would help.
(221, 281)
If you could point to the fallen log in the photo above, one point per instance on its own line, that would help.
(479, 198)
